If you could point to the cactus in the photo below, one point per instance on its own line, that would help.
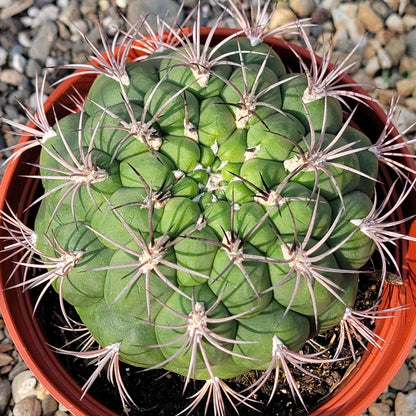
(205, 211)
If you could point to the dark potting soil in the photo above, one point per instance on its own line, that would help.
(158, 392)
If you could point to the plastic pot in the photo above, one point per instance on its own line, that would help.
(363, 385)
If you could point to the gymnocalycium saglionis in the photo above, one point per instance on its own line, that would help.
(206, 210)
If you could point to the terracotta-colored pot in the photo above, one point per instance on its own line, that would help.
(352, 397)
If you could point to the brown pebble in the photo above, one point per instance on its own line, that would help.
(6, 347)
(30, 406)
(406, 87)
(6, 369)
(369, 18)
(320, 16)
(5, 359)
(401, 378)
(15, 8)
(12, 77)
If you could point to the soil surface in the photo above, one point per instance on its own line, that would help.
(158, 392)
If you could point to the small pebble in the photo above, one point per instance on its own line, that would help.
(15, 8)
(43, 42)
(406, 87)
(24, 385)
(5, 394)
(17, 369)
(3, 56)
(372, 66)
(396, 49)
(88, 7)
(395, 23)
(62, 408)
(12, 77)
(381, 83)
(411, 105)
(369, 18)
(33, 100)
(409, 22)
(18, 60)
(70, 13)
(379, 409)
(404, 119)
(302, 8)
(401, 378)
(407, 64)
(383, 58)
(50, 12)
(411, 43)
(5, 359)
(320, 16)
(33, 68)
(112, 25)
(24, 39)
(383, 36)
(405, 404)
(281, 15)
(345, 18)
(382, 9)
(5, 3)
(168, 8)
(49, 406)
(393, 4)
(30, 406)
(122, 3)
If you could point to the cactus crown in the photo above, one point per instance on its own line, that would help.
(204, 210)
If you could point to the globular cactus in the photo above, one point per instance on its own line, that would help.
(206, 211)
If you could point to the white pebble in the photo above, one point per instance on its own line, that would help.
(380, 82)
(19, 62)
(112, 25)
(404, 119)
(409, 22)
(63, 4)
(24, 39)
(395, 23)
(27, 386)
(50, 62)
(33, 11)
(5, 3)
(372, 66)
(33, 101)
(23, 385)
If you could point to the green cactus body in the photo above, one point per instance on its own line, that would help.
(194, 225)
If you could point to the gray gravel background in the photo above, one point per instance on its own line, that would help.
(35, 34)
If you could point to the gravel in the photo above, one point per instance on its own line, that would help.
(35, 34)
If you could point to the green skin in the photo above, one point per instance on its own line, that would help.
(292, 91)
(214, 191)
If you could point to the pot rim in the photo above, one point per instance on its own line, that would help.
(353, 396)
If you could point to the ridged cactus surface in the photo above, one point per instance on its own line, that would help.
(203, 213)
